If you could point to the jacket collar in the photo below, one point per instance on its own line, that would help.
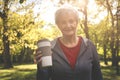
(57, 49)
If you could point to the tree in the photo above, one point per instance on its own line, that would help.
(5, 35)
(117, 37)
(114, 32)
(84, 10)
(6, 51)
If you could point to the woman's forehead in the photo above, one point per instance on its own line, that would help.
(66, 11)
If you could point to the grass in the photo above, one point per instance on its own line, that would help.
(109, 73)
(28, 72)
(19, 72)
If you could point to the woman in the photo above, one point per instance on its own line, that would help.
(74, 57)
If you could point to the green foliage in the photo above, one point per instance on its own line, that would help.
(18, 26)
(100, 35)
(25, 32)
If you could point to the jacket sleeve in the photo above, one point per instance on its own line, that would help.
(43, 73)
(96, 70)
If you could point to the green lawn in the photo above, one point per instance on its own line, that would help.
(110, 74)
(28, 72)
(19, 72)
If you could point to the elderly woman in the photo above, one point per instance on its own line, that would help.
(73, 57)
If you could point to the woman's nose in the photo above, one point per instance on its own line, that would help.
(68, 24)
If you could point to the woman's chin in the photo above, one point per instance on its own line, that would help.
(69, 34)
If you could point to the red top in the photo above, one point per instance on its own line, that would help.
(71, 52)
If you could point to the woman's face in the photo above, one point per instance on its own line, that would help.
(67, 23)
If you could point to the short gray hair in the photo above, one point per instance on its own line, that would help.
(66, 9)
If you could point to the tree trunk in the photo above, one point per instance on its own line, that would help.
(112, 42)
(5, 39)
(117, 39)
(6, 52)
(105, 53)
(85, 23)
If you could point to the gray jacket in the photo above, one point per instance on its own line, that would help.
(87, 66)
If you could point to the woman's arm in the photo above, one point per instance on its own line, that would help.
(96, 70)
(42, 73)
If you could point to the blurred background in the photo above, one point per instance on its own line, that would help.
(24, 22)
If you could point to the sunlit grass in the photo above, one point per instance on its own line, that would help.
(109, 73)
(19, 72)
(26, 66)
(28, 72)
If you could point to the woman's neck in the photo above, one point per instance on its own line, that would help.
(69, 41)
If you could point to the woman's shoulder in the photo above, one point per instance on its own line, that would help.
(53, 42)
(87, 41)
